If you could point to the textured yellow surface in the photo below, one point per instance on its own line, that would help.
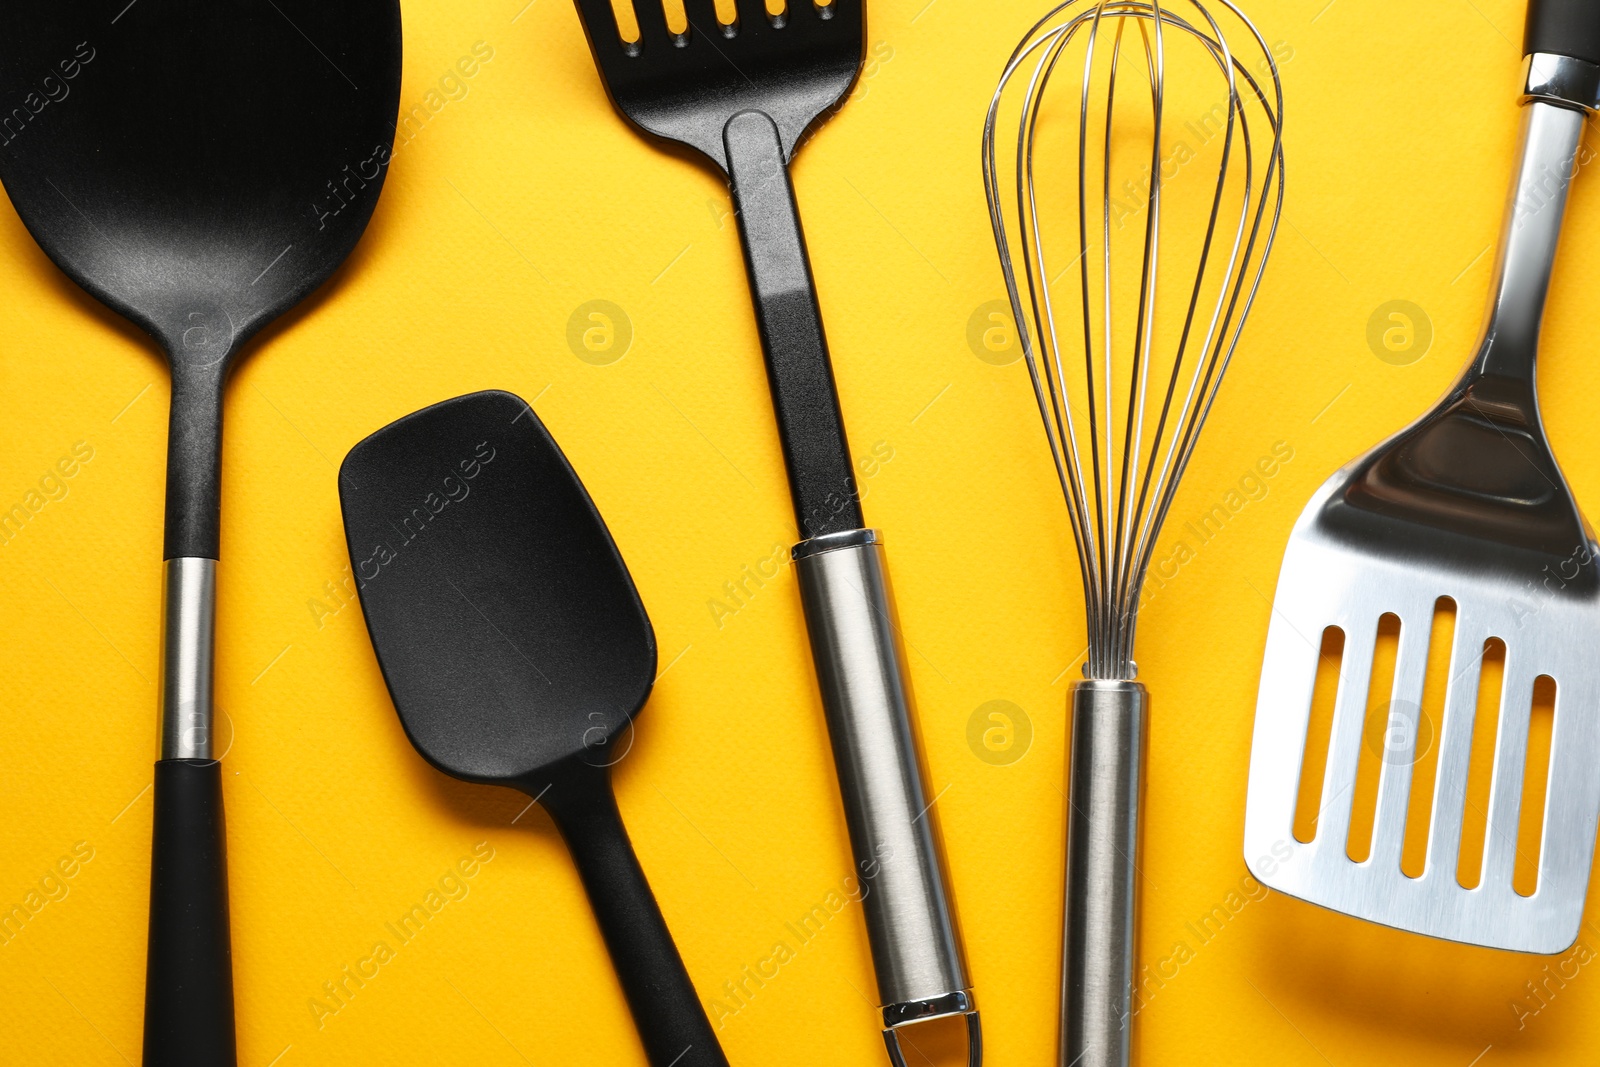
(523, 198)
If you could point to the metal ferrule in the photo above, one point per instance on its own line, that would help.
(188, 630)
(1104, 788)
(851, 621)
(1562, 80)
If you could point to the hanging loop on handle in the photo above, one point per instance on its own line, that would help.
(891, 1038)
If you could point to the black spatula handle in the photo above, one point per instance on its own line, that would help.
(188, 1003)
(804, 396)
(1564, 28)
(672, 1024)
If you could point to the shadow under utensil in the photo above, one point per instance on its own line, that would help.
(1399, 988)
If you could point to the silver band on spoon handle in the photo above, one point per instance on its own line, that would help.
(866, 697)
(188, 637)
(1105, 786)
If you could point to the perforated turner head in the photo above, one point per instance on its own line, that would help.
(685, 87)
(1467, 506)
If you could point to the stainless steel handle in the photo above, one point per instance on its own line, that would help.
(1104, 787)
(916, 951)
(1547, 160)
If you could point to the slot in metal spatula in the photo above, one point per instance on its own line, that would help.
(1467, 504)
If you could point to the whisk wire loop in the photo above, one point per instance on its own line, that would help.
(1121, 443)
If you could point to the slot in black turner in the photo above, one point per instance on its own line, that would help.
(517, 652)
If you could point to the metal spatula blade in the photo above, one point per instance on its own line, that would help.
(1467, 504)
(1328, 583)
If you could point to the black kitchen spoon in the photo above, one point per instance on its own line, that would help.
(517, 652)
(199, 167)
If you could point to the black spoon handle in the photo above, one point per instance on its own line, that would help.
(194, 461)
(672, 1024)
(188, 1000)
(189, 973)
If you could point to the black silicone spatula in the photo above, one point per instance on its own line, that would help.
(198, 167)
(517, 652)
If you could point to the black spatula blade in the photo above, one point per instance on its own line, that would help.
(504, 619)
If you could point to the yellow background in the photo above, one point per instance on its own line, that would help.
(527, 198)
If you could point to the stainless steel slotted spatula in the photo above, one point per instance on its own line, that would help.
(1468, 504)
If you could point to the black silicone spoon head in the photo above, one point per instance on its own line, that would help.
(199, 167)
(517, 652)
(509, 632)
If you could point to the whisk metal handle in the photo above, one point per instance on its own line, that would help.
(1104, 789)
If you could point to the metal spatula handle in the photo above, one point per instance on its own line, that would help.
(854, 643)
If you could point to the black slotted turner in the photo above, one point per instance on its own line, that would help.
(517, 652)
(744, 96)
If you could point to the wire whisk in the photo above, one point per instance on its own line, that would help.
(1126, 365)
(1122, 426)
